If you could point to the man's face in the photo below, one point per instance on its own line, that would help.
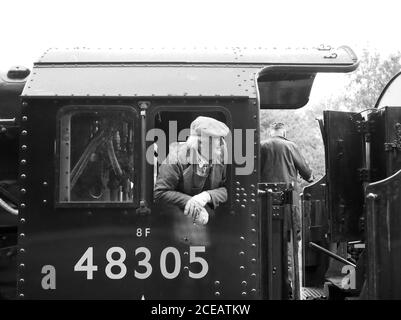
(211, 148)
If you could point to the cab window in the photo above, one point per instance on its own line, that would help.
(96, 152)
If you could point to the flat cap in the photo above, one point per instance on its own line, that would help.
(209, 127)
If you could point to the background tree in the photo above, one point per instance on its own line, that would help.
(361, 92)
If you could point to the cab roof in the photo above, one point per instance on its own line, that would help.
(215, 56)
(190, 72)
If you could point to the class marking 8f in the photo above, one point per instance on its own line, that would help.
(142, 232)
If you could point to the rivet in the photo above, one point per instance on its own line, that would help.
(24, 118)
(253, 230)
(21, 280)
(241, 253)
(24, 132)
(23, 161)
(24, 104)
(253, 245)
(22, 265)
(185, 268)
(217, 283)
(23, 191)
(21, 295)
(217, 293)
(45, 183)
(253, 275)
(237, 183)
(23, 147)
(22, 235)
(44, 201)
(23, 176)
(186, 253)
(244, 283)
(253, 290)
(253, 260)
(253, 216)
(22, 250)
(237, 200)
(242, 206)
(22, 205)
(242, 268)
(243, 293)
(242, 238)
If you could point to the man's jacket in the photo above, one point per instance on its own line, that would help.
(178, 180)
(281, 160)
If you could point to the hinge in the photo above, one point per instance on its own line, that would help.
(396, 144)
(364, 174)
(363, 126)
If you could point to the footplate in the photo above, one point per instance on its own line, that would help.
(310, 293)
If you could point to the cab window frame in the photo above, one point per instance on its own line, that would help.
(206, 109)
(84, 108)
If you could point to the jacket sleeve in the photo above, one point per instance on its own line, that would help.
(167, 183)
(301, 165)
(219, 195)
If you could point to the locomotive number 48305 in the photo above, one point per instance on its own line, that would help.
(116, 268)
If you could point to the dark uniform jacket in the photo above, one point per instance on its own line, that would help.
(280, 161)
(178, 180)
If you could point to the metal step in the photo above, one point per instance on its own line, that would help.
(311, 293)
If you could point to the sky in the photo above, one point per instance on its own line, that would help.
(31, 27)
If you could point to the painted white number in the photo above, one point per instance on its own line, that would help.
(193, 259)
(116, 269)
(116, 263)
(89, 267)
(177, 264)
(145, 263)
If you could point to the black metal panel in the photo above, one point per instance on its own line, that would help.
(344, 159)
(315, 229)
(276, 205)
(50, 235)
(384, 238)
(385, 148)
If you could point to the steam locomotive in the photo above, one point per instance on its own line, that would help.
(83, 134)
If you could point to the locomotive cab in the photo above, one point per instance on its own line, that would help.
(95, 127)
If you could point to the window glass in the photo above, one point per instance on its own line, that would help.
(96, 156)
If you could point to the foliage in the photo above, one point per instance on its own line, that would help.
(362, 91)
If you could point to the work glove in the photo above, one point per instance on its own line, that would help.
(192, 207)
(203, 198)
(202, 217)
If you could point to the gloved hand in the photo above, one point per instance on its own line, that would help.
(203, 198)
(202, 217)
(192, 207)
